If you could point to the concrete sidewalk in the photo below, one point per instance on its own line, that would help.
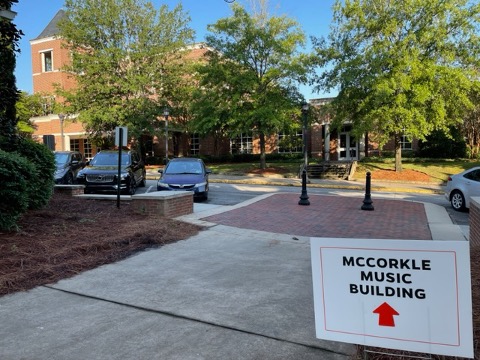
(230, 292)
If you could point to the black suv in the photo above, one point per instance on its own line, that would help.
(101, 173)
(69, 163)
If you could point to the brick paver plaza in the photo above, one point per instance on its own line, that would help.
(330, 216)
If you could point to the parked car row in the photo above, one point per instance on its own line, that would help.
(100, 174)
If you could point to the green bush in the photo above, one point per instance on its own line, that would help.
(439, 146)
(41, 181)
(14, 192)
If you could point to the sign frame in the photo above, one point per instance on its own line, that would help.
(412, 295)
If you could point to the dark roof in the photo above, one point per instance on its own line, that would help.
(52, 29)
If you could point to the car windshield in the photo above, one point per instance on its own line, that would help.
(61, 158)
(109, 159)
(183, 167)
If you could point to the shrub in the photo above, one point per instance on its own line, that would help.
(14, 192)
(439, 146)
(40, 182)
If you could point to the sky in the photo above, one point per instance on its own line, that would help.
(313, 16)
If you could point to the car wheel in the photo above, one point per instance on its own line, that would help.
(142, 183)
(132, 189)
(69, 179)
(457, 200)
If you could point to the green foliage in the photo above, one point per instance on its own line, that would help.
(126, 52)
(29, 106)
(9, 38)
(250, 81)
(15, 171)
(438, 145)
(401, 67)
(40, 182)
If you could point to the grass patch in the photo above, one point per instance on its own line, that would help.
(437, 169)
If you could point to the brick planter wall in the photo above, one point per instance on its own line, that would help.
(164, 203)
(168, 204)
(474, 219)
(69, 189)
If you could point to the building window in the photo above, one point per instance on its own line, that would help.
(242, 144)
(194, 144)
(290, 143)
(406, 143)
(47, 61)
(87, 149)
(75, 144)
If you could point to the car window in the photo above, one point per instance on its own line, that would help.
(473, 175)
(109, 159)
(61, 158)
(183, 167)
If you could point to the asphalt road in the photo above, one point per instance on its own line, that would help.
(232, 194)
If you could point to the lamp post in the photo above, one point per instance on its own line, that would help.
(304, 133)
(165, 114)
(304, 196)
(62, 117)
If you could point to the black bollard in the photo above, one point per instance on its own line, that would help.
(304, 197)
(367, 201)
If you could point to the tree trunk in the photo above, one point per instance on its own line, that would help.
(398, 153)
(263, 156)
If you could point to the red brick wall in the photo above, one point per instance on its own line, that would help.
(43, 82)
(164, 206)
(474, 218)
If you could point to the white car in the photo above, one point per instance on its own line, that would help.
(461, 187)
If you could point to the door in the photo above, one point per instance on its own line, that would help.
(347, 147)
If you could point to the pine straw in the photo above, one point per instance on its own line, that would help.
(72, 235)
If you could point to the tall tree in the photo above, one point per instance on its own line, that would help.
(124, 52)
(471, 125)
(402, 68)
(249, 83)
(9, 38)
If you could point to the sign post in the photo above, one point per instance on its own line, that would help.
(120, 140)
(410, 295)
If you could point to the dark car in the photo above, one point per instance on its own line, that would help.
(187, 174)
(101, 173)
(69, 163)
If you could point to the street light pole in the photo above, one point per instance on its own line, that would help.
(304, 196)
(165, 114)
(62, 117)
(305, 144)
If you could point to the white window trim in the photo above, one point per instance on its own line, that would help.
(42, 54)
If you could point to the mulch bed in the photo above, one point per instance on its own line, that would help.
(72, 235)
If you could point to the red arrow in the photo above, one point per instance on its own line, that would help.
(386, 313)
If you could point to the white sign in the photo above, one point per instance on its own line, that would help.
(410, 295)
(124, 135)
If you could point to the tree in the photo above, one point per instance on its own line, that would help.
(123, 53)
(9, 38)
(29, 106)
(249, 82)
(401, 67)
(471, 124)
